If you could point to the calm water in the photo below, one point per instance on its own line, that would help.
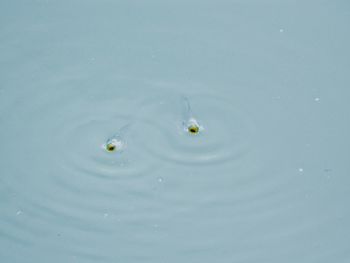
(266, 179)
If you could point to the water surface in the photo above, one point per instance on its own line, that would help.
(264, 180)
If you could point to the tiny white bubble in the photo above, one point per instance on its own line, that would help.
(317, 99)
(281, 30)
(105, 215)
(160, 179)
(301, 170)
(19, 212)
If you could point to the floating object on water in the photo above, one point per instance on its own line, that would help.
(112, 145)
(193, 126)
(117, 142)
(190, 124)
(193, 129)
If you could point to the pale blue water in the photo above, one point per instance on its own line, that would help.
(266, 179)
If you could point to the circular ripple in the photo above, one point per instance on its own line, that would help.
(59, 178)
(82, 146)
(72, 131)
(224, 131)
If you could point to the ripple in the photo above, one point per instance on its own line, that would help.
(224, 132)
(59, 175)
(82, 149)
(220, 192)
(71, 132)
